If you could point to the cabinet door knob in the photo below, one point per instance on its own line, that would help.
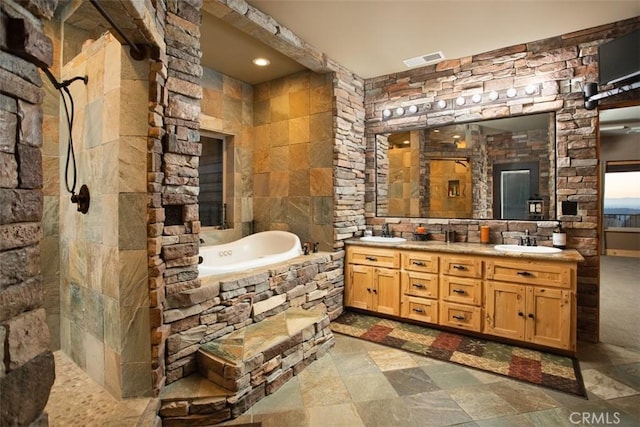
(531, 316)
(459, 291)
(375, 291)
(368, 289)
(458, 317)
(521, 314)
(419, 285)
(371, 258)
(524, 273)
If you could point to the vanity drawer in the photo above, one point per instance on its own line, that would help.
(421, 309)
(420, 284)
(461, 290)
(531, 272)
(376, 257)
(420, 261)
(462, 266)
(460, 316)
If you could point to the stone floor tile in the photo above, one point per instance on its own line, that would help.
(389, 358)
(480, 403)
(369, 387)
(604, 386)
(630, 404)
(296, 418)
(520, 420)
(341, 415)
(347, 345)
(450, 376)
(627, 374)
(435, 408)
(410, 381)
(385, 413)
(287, 398)
(523, 397)
(354, 364)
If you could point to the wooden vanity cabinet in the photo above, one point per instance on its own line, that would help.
(373, 280)
(461, 292)
(531, 301)
(419, 279)
(525, 299)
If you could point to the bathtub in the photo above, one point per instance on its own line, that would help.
(256, 250)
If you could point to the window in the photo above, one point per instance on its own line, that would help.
(211, 170)
(622, 195)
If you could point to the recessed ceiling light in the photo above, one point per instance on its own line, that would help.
(261, 62)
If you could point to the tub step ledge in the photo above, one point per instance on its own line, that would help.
(255, 361)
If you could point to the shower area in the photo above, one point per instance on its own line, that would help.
(94, 264)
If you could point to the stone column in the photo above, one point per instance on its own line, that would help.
(27, 365)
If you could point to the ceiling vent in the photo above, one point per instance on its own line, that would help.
(430, 58)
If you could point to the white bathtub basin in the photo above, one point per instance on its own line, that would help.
(380, 239)
(527, 249)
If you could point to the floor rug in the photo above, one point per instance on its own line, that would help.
(535, 367)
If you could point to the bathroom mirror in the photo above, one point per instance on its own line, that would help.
(487, 169)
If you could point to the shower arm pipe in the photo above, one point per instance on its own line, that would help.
(136, 51)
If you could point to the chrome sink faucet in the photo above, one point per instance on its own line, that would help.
(385, 230)
(527, 240)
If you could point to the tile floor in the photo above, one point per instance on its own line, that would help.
(365, 384)
(359, 383)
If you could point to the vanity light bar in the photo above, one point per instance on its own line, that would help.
(460, 101)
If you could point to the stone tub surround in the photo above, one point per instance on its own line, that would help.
(226, 303)
(558, 67)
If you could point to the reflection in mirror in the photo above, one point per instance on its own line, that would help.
(484, 170)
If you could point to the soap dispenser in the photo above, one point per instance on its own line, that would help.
(559, 237)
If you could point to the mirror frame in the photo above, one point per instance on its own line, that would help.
(550, 176)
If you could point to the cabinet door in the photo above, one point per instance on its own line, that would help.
(386, 291)
(359, 286)
(505, 310)
(549, 317)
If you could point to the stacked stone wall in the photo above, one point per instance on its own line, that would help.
(172, 165)
(558, 68)
(26, 361)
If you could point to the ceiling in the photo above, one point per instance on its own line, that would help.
(372, 38)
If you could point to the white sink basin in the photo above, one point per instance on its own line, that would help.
(527, 249)
(380, 239)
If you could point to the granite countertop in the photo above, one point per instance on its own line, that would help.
(567, 255)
